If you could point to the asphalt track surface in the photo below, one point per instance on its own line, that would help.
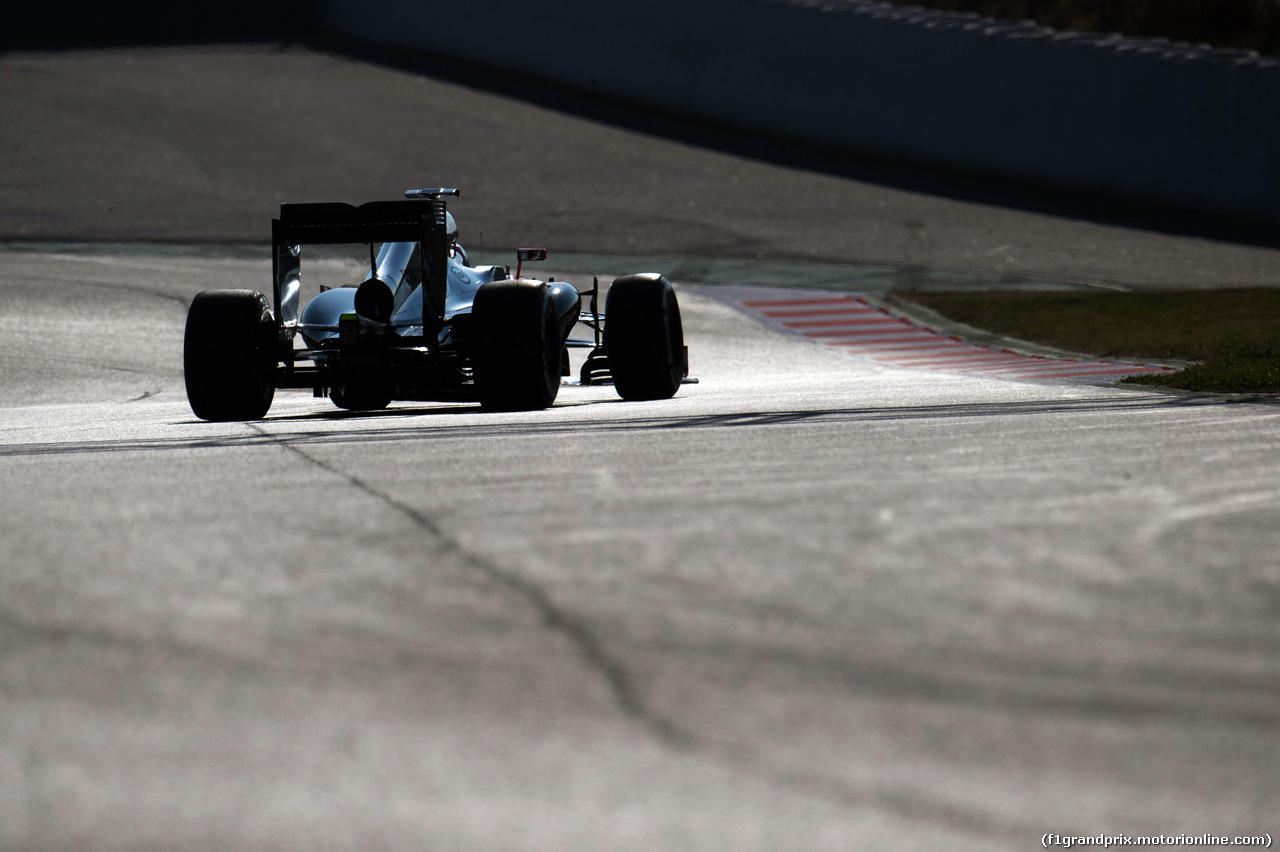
(202, 146)
(810, 603)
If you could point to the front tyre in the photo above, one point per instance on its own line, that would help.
(228, 355)
(517, 346)
(644, 337)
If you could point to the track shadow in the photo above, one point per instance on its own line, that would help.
(339, 414)
(789, 153)
(82, 24)
(423, 429)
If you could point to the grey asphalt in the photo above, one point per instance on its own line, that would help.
(187, 145)
(810, 603)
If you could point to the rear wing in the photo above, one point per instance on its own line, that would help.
(332, 223)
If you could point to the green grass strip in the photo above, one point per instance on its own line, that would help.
(1232, 336)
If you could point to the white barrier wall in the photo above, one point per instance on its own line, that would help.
(1139, 119)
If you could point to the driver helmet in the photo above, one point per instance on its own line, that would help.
(450, 227)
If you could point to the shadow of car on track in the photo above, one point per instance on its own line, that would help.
(538, 424)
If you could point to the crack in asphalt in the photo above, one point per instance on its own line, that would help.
(621, 685)
(904, 802)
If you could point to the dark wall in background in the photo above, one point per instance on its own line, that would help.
(51, 25)
(1145, 121)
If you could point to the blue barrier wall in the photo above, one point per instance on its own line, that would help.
(1134, 118)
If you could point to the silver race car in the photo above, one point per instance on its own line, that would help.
(423, 324)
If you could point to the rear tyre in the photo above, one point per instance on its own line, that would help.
(228, 355)
(644, 337)
(517, 346)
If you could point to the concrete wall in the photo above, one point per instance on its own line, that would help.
(1139, 119)
(71, 24)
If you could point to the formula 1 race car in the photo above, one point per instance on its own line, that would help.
(422, 325)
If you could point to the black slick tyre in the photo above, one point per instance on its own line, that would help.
(228, 355)
(644, 337)
(517, 346)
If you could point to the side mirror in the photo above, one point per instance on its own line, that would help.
(528, 254)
